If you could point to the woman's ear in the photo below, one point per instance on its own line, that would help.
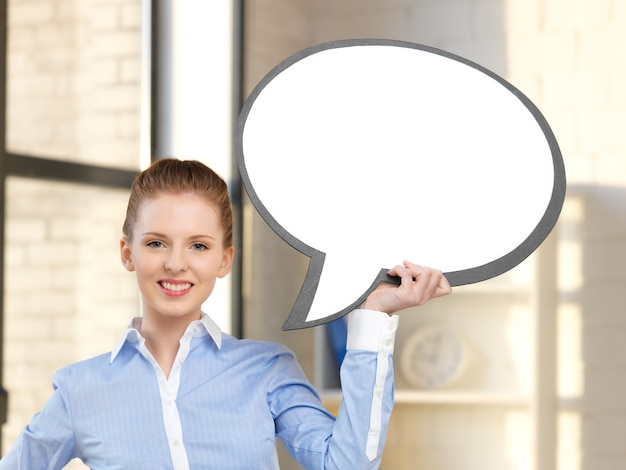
(126, 254)
(227, 262)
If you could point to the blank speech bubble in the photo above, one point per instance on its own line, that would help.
(363, 153)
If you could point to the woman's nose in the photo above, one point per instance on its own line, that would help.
(175, 262)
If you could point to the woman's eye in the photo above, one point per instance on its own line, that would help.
(154, 244)
(199, 246)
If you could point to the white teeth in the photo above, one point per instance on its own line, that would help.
(176, 287)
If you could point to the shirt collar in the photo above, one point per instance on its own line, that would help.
(200, 327)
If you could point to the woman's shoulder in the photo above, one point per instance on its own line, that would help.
(84, 368)
(246, 343)
(254, 348)
(88, 363)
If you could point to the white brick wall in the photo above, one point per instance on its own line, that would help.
(73, 80)
(67, 295)
(73, 94)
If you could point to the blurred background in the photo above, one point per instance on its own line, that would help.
(93, 90)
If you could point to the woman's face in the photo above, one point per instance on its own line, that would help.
(177, 252)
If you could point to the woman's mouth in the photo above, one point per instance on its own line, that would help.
(175, 288)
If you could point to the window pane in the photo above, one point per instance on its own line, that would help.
(74, 80)
(67, 296)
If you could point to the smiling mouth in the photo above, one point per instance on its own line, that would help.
(175, 288)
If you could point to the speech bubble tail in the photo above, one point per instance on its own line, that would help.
(295, 321)
(298, 317)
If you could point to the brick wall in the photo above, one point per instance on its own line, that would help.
(74, 70)
(67, 297)
(73, 94)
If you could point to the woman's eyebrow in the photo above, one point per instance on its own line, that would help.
(153, 234)
(191, 237)
(202, 235)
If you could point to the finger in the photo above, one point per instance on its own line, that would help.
(430, 282)
(405, 274)
(444, 287)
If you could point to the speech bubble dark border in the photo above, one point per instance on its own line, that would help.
(300, 310)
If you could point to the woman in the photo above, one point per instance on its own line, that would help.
(177, 393)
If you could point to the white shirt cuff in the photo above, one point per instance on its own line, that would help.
(369, 330)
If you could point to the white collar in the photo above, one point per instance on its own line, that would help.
(200, 327)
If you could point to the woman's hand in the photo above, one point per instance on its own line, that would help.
(418, 284)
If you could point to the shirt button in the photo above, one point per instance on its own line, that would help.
(378, 391)
(176, 442)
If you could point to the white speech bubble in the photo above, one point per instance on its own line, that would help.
(363, 153)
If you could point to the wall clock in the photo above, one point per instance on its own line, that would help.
(434, 357)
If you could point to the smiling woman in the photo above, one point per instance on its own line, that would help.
(177, 248)
(177, 391)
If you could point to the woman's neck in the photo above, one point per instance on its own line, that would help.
(162, 337)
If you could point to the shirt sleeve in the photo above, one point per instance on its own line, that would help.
(47, 442)
(369, 362)
(354, 439)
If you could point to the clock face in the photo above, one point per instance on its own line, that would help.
(433, 357)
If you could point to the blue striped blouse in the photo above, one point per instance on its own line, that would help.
(222, 406)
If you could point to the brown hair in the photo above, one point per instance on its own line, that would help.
(180, 176)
